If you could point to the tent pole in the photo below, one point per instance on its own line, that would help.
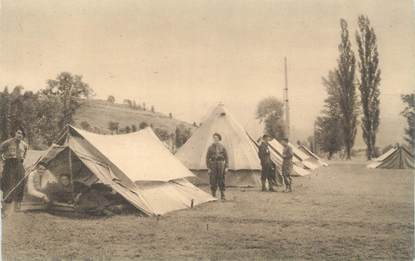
(70, 165)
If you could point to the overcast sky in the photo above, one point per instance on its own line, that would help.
(185, 56)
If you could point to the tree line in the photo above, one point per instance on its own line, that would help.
(43, 113)
(353, 89)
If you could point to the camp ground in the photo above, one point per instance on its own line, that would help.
(397, 157)
(126, 163)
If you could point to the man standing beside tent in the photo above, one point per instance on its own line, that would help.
(287, 164)
(217, 163)
(13, 152)
(268, 167)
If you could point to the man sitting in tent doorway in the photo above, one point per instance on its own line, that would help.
(268, 166)
(97, 199)
(217, 163)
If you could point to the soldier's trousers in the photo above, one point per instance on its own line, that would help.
(286, 174)
(217, 176)
(268, 173)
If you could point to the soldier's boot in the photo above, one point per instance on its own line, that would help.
(289, 188)
(17, 206)
(213, 193)
(222, 195)
(263, 185)
(270, 187)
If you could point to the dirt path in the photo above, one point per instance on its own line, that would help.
(343, 212)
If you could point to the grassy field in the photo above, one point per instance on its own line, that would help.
(343, 212)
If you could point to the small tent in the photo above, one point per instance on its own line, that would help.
(312, 156)
(244, 164)
(299, 157)
(276, 156)
(135, 165)
(396, 158)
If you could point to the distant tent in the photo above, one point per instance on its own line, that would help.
(312, 156)
(276, 156)
(300, 158)
(396, 158)
(135, 165)
(244, 164)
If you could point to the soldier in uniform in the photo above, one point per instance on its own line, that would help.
(217, 164)
(287, 164)
(13, 152)
(268, 167)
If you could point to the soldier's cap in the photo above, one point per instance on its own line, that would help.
(266, 136)
(217, 135)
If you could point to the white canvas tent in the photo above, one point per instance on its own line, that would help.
(244, 164)
(395, 158)
(299, 158)
(313, 157)
(136, 165)
(276, 156)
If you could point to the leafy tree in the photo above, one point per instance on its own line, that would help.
(114, 127)
(111, 99)
(71, 90)
(127, 129)
(182, 134)
(133, 128)
(152, 109)
(345, 74)
(4, 112)
(369, 82)
(85, 125)
(170, 115)
(162, 134)
(143, 125)
(327, 135)
(409, 114)
(144, 106)
(270, 112)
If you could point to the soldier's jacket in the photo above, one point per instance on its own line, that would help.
(287, 159)
(265, 156)
(13, 149)
(216, 152)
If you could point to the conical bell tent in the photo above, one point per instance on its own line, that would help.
(244, 164)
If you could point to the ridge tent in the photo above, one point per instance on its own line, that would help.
(396, 158)
(136, 165)
(299, 157)
(244, 165)
(312, 155)
(276, 157)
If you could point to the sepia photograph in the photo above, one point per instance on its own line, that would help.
(207, 130)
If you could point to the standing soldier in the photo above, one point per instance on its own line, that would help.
(268, 167)
(287, 164)
(217, 164)
(13, 152)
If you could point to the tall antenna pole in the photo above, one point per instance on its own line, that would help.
(287, 107)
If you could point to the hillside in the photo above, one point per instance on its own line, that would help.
(99, 113)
